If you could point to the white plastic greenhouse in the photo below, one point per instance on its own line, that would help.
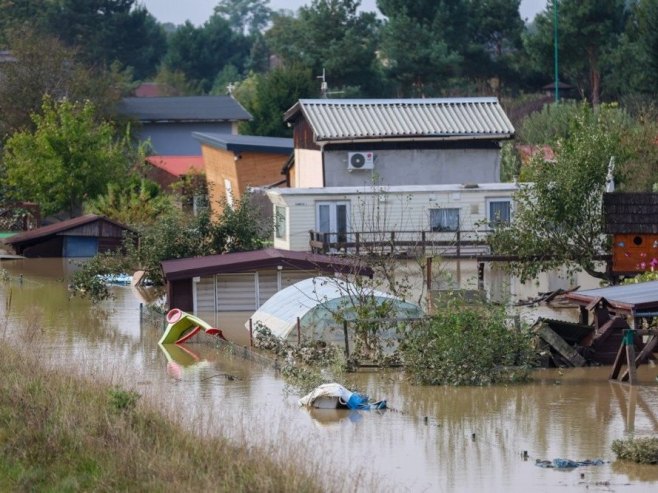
(315, 302)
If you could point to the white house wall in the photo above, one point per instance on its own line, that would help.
(385, 209)
(310, 174)
(412, 167)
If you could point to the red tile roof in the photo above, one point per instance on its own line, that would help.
(177, 165)
(148, 90)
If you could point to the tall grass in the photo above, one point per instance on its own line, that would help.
(61, 433)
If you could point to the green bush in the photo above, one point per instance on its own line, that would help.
(641, 450)
(467, 345)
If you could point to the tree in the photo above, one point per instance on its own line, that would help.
(268, 96)
(103, 31)
(557, 218)
(588, 29)
(331, 35)
(69, 157)
(137, 203)
(45, 66)
(200, 53)
(245, 16)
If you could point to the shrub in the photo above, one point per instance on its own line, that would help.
(467, 345)
(642, 450)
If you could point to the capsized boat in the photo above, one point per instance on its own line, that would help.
(182, 326)
(335, 396)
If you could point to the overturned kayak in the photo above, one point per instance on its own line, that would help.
(335, 396)
(182, 326)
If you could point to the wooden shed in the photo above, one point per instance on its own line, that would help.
(243, 281)
(82, 236)
(632, 220)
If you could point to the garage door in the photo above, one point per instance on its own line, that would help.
(236, 292)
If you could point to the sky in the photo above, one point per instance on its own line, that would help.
(198, 11)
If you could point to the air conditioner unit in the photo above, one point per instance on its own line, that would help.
(360, 160)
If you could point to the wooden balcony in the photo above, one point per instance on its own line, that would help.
(454, 244)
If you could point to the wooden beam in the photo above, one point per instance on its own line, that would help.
(555, 341)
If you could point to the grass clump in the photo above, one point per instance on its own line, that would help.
(467, 344)
(642, 450)
(58, 433)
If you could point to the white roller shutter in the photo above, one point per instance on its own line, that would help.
(236, 292)
(290, 277)
(205, 294)
(268, 285)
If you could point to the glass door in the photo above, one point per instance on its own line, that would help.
(332, 218)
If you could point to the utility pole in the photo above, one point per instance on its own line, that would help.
(555, 50)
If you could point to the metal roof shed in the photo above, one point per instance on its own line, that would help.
(314, 302)
(635, 300)
(243, 281)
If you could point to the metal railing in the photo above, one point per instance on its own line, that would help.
(460, 244)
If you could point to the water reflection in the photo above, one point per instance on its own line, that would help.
(433, 439)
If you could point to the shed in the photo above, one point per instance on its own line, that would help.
(315, 302)
(614, 309)
(243, 281)
(82, 236)
(234, 163)
(632, 220)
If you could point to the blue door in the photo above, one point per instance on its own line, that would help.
(80, 246)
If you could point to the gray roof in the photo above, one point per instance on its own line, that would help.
(239, 143)
(630, 298)
(401, 119)
(630, 213)
(184, 108)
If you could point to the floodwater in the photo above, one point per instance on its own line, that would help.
(434, 439)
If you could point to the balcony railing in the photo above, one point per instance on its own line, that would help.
(460, 244)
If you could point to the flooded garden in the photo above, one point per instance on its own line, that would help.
(432, 438)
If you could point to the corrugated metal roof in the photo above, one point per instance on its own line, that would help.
(444, 118)
(59, 227)
(631, 297)
(184, 108)
(186, 268)
(239, 143)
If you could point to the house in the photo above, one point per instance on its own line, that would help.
(168, 122)
(234, 163)
(632, 220)
(392, 218)
(243, 281)
(398, 172)
(343, 142)
(82, 236)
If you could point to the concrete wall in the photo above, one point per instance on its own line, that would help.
(414, 167)
(175, 139)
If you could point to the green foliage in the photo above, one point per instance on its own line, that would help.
(549, 124)
(467, 345)
(588, 29)
(200, 53)
(246, 16)
(557, 219)
(45, 66)
(643, 450)
(268, 96)
(137, 203)
(331, 35)
(510, 163)
(123, 401)
(69, 157)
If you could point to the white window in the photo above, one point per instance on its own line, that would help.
(229, 192)
(444, 219)
(499, 211)
(280, 221)
(333, 218)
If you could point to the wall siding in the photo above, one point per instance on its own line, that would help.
(387, 211)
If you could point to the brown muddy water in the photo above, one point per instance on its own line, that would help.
(433, 439)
